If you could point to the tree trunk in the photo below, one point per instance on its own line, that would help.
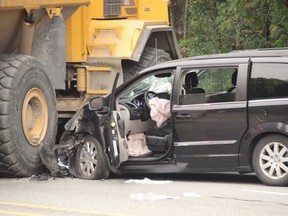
(267, 21)
(214, 15)
(179, 11)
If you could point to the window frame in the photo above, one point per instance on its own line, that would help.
(183, 72)
(242, 78)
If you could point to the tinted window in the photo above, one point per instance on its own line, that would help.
(208, 85)
(269, 81)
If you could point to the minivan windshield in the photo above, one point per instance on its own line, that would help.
(143, 85)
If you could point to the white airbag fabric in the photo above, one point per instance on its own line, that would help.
(161, 86)
(160, 110)
(137, 145)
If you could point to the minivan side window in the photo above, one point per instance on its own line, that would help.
(268, 81)
(208, 85)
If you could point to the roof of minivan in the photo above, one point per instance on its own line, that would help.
(267, 52)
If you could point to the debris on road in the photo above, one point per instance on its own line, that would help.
(191, 194)
(147, 181)
(151, 196)
(41, 177)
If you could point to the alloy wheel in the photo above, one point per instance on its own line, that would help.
(274, 160)
(88, 158)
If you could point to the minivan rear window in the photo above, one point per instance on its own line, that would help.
(268, 81)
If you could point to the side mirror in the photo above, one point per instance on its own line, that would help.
(99, 104)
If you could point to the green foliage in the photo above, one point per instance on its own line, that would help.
(215, 26)
(215, 81)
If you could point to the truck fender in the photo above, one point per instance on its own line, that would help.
(49, 46)
(149, 38)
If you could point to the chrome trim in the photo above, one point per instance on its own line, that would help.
(209, 155)
(199, 143)
(269, 102)
(210, 106)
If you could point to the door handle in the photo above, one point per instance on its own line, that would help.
(183, 116)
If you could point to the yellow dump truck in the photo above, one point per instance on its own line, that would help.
(56, 54)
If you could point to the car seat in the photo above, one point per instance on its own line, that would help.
(157, 138)
(191, 82)
(233, 81)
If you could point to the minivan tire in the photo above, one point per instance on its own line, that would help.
(91, 162)
(270, 160)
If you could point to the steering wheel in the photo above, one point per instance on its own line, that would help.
(148, 96)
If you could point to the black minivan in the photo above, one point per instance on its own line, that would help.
(218, 113)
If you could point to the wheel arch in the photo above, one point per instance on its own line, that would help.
(164, 40)
(256, 140)
(49, 38)
(90, 126)
(149, 38)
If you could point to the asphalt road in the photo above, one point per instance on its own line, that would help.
(197, 194)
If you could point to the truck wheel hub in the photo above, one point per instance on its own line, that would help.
(34, 116)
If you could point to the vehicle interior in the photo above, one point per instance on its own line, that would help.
(211, 85)
(148, 136)
(147, 127)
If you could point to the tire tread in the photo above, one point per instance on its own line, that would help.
(7, 152)
(150, 56)
(10, 69)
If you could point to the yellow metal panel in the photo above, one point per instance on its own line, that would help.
(81, 79)
(153, 10)
(107, 69)
(76, 36)
(106, 48)
(96, 9)
(129, 9)
(110, 41)
(69, 104)
(111, 38)
(101, 74)
(35, 4)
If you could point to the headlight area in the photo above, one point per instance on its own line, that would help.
(73, 122)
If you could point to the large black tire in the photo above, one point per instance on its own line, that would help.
(150, 56)
(270, 160)
(91, 162)
(28, 116)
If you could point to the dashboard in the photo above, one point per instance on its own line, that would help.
(137, 107)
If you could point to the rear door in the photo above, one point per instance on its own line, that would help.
(210, 125)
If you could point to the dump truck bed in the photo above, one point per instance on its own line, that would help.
(15, 11)
(34, 4)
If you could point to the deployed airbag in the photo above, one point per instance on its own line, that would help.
(160, 110)
(137, 145)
